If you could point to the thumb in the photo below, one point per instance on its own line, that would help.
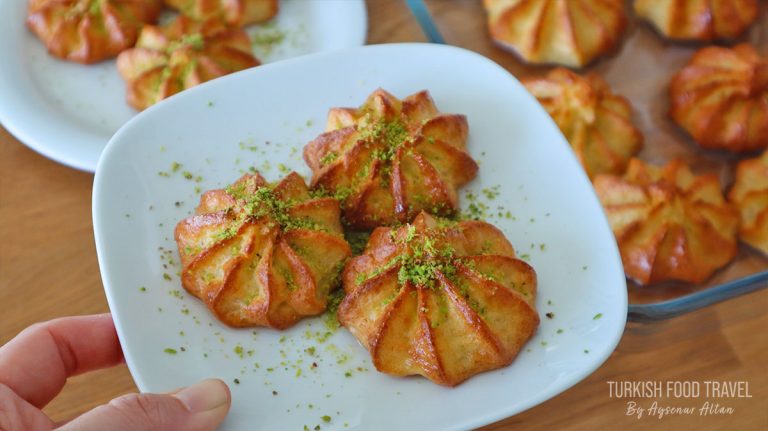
(200, 407)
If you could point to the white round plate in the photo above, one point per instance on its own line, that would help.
(67, 111)
(152, 170)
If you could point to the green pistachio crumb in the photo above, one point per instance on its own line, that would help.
(267, 39)
(329, 157)
(357, 240)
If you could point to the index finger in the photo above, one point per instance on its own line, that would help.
(36, 363)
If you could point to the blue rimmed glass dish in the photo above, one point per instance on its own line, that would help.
(749, 273)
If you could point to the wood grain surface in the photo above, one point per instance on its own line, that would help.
(48, 269)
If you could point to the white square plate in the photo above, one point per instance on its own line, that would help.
(68, 111)
(262, 118)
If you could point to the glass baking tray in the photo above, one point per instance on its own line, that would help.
(640, 70)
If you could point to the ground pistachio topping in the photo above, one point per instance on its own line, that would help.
(357, 240)
(194, 41)
(329, 157)
(263, 202)
(389, 134)
(424, 259)
(330, 317)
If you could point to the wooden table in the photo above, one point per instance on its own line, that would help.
(48, 269)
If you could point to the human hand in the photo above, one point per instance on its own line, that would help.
(35, 365)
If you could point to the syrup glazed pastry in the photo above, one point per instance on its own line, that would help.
(232, 12)
(440, 299)
(699, 20)
(669, 223)
(180, 55)
(390, 159)
(261, 254)
(750, 195)
(596, 122)
(572, 33)
(721, 98)
(88, 31)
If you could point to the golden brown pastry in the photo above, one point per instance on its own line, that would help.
(440, 299)
(596, 122)
(261, 254)
(721, 98)
(232, 12)
(567, 32)
(702, 20)
(750, 195)
(669, 223)
(390, 159)
(88, 31)
(180, 55)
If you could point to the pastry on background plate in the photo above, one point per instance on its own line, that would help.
(261, 254)
(445, 300)
(88, 31)
(669, 223)
(180, 55)
(750, 195)
(572, 33)
(390, 159)
(232, 12)
(701, 20)
(721, 98)
(596, 122)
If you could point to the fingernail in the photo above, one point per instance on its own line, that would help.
(204, 396)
